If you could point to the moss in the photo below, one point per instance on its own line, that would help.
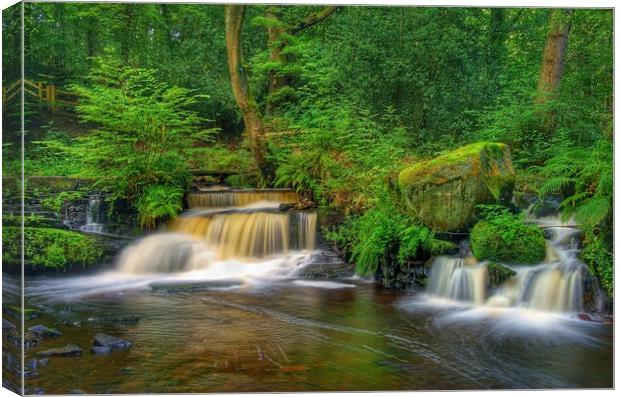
(508, 239)
(498, 273)
(444, 191)
(50, 249)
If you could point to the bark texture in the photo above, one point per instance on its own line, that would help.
(252, 118)
(552, 67)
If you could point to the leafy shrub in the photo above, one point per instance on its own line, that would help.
(50, 249)
(585, 177)
(383, 236)
(54, 202)
(159, 204)
(145, 133)
(505, 237)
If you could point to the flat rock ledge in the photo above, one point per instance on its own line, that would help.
(65, 351)
(104, 344)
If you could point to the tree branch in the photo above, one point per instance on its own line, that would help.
(313, 19)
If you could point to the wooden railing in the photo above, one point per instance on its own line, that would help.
(47, 94)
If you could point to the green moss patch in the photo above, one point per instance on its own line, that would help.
(50, 249)
(507, 238)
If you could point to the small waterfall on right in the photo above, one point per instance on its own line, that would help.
(560, 284)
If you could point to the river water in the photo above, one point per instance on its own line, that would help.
(209, 320)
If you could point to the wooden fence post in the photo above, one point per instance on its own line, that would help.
(52, 97)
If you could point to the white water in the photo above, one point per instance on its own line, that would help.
(93, 224)
(554, 286)
(245, 245)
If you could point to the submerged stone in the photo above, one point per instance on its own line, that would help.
(42, 330)
(100, 350)
(65, 351)
(443, 192)
(111, 342)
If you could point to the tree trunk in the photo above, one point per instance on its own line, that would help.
(234, 15)
(552, 66)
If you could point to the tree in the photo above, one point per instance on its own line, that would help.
(279, 35)
(252, 118)
(552, 67)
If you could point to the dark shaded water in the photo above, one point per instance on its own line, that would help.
(303, 336)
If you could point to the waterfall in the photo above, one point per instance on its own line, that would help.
(452, 279)
(561, 283)
(93, 213)
(240, 198)
(225, 227)
(250, 234)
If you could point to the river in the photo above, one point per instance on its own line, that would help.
(241, 318)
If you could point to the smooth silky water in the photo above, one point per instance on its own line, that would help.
(210, 313)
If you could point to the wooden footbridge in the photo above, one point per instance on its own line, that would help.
(46, 94)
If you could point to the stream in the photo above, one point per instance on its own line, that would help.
(217, 303)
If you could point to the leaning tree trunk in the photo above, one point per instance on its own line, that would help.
(552, 66)
(252, 118)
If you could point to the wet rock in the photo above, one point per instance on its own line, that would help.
(498, 274)
(305, 204)
(30, 341)
(44, 362)
(70, 323)
(286, 206)
(7, 326)
(65, 351)
(33, 364)
(115, 319)
(101, 350)
(112, 342)
(38, 390)
(584, 317)
(46, 332)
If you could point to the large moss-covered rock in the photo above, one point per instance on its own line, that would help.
(443, 192)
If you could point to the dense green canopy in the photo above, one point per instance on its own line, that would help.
(346, 97)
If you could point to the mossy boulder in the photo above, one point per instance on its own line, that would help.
(505, 241)
(443, 192)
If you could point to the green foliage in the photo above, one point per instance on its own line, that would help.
(145, 131)
(50, 249)
(505, 237)
(55, 201)
(598, 254)
(159, 204)
(585, 179)
(383, 236)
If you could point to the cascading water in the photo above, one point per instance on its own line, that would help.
(93, 215)
(560, 284)
(240, 198)
(452, 279)
(246, 234)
